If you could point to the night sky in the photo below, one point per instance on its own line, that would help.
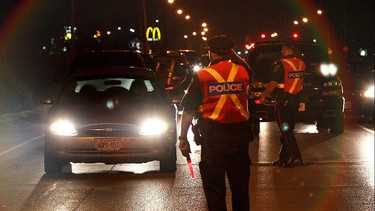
(351, 20)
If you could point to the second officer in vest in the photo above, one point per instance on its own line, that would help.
(220, 92)
(286, 84)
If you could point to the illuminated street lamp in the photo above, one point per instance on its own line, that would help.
(319, 12)
(179, 11)
(170, 1)
(295, 22)
(204, 25)
(305, 20)
(187, 17)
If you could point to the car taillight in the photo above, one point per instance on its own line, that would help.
(257, 102)
(169, 88)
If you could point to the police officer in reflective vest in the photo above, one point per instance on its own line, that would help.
(286, 84)
(220, 92)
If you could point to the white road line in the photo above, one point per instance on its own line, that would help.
(20, 145)
(366, 129)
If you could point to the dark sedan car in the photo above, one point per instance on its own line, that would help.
(111, 115)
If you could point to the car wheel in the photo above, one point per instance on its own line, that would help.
(337, 126)
(168, 163)
(52, 165)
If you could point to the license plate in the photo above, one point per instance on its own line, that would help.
(302, 107)
(108, 145)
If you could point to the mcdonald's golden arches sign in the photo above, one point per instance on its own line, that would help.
(153, 34)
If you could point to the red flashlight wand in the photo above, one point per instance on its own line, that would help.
(190, 166)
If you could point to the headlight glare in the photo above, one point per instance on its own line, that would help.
(153, 127)
(63, 128)
(328, 70)
(369, 93)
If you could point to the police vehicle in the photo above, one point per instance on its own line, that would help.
(322, 98)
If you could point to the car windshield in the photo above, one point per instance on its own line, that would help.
(118, 90)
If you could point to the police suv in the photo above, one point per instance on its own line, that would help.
(322, 98)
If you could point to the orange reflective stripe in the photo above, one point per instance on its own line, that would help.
(291, 90)
(223, 98)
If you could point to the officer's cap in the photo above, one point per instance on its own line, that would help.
(290, 43)
(220, 44)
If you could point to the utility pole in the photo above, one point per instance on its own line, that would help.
(143, 34)
(72, 24)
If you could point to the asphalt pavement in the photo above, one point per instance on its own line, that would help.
(338, 174)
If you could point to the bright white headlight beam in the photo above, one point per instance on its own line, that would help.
(328, 69)
(63, 128)
(153, 127)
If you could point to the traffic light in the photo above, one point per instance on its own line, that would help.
(263, 36)
(295, 35)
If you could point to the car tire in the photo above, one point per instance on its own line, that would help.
(168, 163)
(52, 165)
(337, 126)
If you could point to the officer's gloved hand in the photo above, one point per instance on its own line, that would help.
(184, 146)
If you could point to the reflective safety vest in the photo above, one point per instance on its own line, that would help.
(225, 87)
(294, 70)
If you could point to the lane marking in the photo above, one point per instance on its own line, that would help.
(366, 129)
(20, 145)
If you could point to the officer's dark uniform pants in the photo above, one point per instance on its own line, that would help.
(225, 151)
(285, 116)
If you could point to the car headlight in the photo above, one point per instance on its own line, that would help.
(369, 93)
(328, 70)
(153, 127)
(63, 128)
(196, 68)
